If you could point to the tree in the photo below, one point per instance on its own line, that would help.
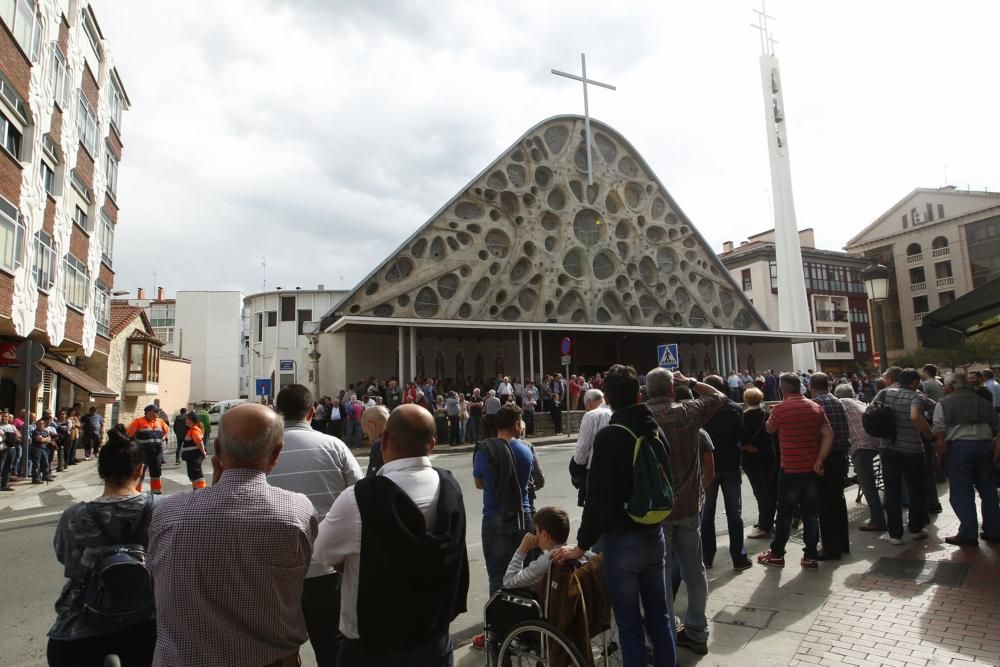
(985, 347)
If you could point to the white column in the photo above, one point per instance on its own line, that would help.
(401, 345)
(531, 355)
(541, 359)
(413, 352)
(715, 355)
(520, 354)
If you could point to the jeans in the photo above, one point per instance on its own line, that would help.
(682, 539)
(833, 526)
(352, 433)
(634, 572)
(797, 489)
(472, 428)
(729, 482)
(970, 468)
(321, 609)
(462, 423)
(864, 465)
(39, 463)
(71, 451)
(180, 444)
(762, 473)
(6, 463)
(897, 466)
(500, 540)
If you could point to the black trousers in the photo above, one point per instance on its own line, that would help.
(555, 411)
(321, 608)
(133, 645)
(435, 653)
(833, 528)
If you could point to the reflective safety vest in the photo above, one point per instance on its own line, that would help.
(192, 439)
(148, 431)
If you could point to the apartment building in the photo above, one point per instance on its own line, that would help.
(938, 243)
(61, 107)
(835, 293)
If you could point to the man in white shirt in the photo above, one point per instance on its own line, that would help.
(416, 573)
(598, 416)
(505, 390)
(320, 467)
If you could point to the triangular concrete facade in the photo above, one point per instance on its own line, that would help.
(529, 241)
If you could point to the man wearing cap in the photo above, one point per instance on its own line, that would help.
(150, 432)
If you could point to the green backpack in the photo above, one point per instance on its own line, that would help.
(652, 497)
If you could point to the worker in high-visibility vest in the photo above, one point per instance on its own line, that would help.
(193, 450)
(150, 432)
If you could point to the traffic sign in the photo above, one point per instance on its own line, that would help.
(566, 348)
(876, 358)
(666, 356)
(566, 360)
(286, 365)
(263, 386)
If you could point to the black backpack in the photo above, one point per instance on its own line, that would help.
(119, 591)
(879, 420)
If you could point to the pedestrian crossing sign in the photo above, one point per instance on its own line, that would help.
(666, 356)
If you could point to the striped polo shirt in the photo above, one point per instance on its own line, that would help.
(798, 421)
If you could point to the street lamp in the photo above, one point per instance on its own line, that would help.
(876, 280)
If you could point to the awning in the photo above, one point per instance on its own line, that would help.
(968, 315)
(97, 391)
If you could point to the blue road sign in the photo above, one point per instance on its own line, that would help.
(666, 356)
(286, 365)
(263, 386)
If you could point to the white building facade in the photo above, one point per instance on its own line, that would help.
(275, 342)
(208, 327)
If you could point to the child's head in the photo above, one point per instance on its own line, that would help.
(552, 527)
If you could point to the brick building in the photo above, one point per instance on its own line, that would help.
(61, 106)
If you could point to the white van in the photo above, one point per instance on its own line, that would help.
(216, 411)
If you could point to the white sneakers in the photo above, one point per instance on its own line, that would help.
(885, 537)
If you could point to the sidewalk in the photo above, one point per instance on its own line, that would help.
(922, 603)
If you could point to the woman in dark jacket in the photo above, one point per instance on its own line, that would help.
(760, 461)
(79, 543)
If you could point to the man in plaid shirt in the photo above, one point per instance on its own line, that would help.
(833, 527)
(228, 562)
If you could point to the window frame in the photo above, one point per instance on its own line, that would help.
(43, 272)
(102, 308)
(106, 234)
(59, 74)
(47, 173)
(11, 133)
(286, 306)
(302, 320)
(81, 218)
(110, 171)
(76, 282)
(260, 327)
(272, 318)
(148, 369)
(86, 124)
(116, 105)
(12, 227)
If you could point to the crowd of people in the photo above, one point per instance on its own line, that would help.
(294, 542)
(54, 441)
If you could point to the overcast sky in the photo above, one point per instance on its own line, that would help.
(321, 133)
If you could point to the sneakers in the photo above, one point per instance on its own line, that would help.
(770, 559)
(809, 563)
(479, 642)
(701, 648)
(741, 565)
(758, 534)
(886, 537)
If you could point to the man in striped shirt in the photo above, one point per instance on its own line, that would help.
(321, 467)
(806, 439)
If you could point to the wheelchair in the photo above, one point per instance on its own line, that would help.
(519, 633)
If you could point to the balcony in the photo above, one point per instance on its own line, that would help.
(823, 315)
(941, 252)
(945, 282)
(913, 259)
(834, 349)
(918, 287)
(918, 317)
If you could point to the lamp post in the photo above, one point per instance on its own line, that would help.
(876, 280)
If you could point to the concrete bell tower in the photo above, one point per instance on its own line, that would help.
(793, 306)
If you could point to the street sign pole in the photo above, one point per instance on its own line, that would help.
(566, 348)
(27, 404)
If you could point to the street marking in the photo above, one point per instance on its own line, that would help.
(31, 516)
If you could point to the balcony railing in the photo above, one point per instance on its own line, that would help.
(823, 315)
(941, 252)
(918, 317)
(913, 259)
(945, 282)
(918, 287)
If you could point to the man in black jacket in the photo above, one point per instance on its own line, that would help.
(725, 428)
(634, 553)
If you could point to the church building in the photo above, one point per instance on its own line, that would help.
(528, 254)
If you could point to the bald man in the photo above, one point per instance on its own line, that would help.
(407, 525)
(228, 562)
(373, 421)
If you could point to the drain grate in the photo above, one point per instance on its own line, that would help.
(747, 617)
(921, 571)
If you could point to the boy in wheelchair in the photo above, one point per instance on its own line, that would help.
(567, 604)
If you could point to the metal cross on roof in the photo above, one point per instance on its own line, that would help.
(767, 40)
(586, 106)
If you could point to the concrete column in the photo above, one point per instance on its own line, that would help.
(716, 361)
(413, 352)
(531, 355)
(401, 345)
(520, 355)
(541, 359)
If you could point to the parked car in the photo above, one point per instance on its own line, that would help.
(216, 411)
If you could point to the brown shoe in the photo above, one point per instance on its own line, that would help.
(872, 527)
(758, 534)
